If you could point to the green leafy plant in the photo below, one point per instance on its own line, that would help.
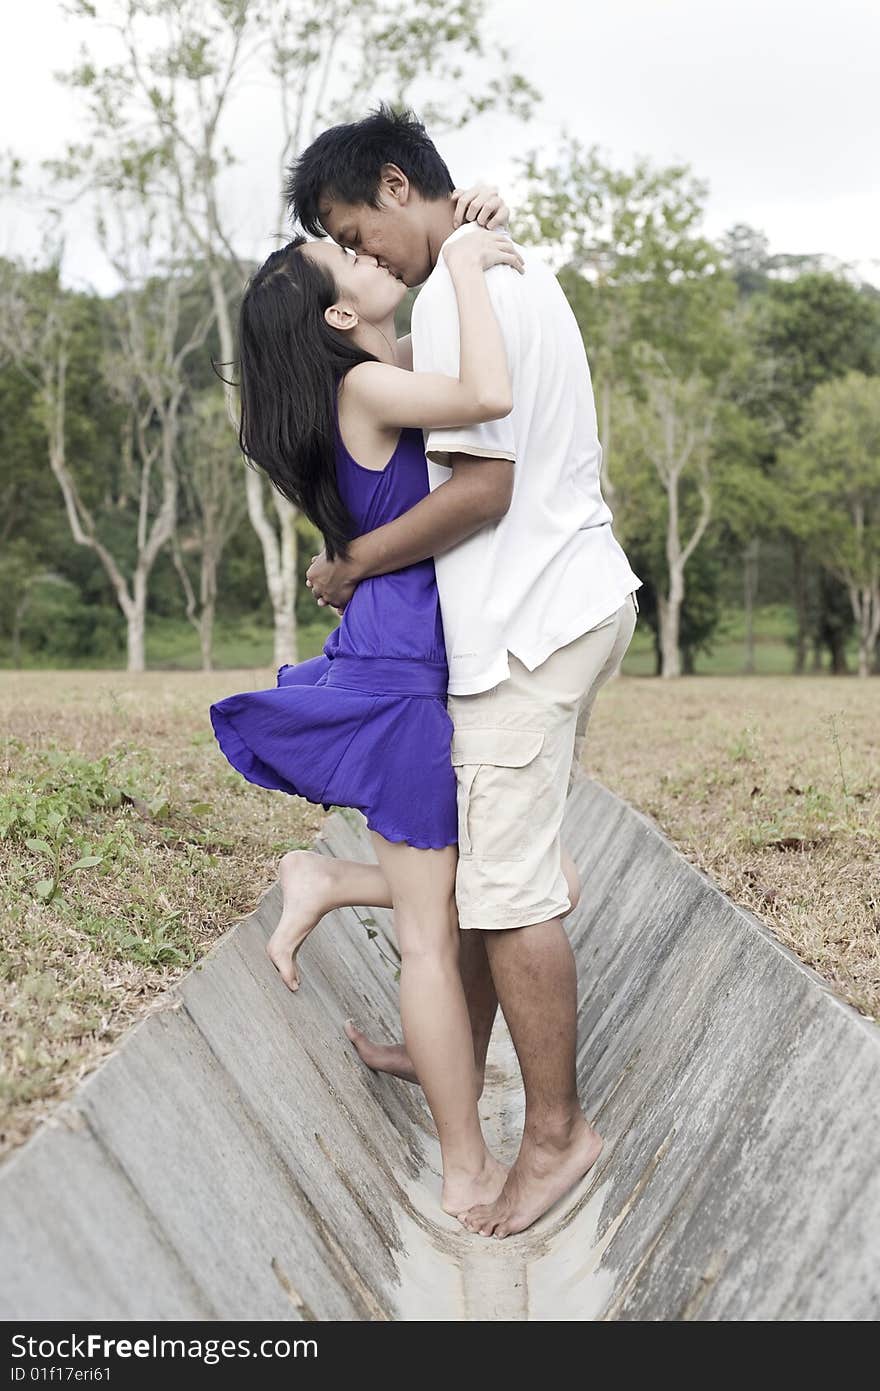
(47, 888)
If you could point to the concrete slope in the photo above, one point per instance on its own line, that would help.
(234, 1159)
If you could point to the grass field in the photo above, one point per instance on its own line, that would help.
(772, 786)
(145, 846)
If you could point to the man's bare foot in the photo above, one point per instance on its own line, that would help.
(543, 1172)
(382, 1057)
(461, 1191)
(306, 886)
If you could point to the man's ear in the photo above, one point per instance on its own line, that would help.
(394, 183)
(341, 316)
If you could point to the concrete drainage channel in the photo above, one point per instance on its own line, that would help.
(235, 1160)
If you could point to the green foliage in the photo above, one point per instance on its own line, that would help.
(71, 818)
(726, 345)
(66, 792)
(811, 330)
(831, 477)
(703, 362)
(144, 936)
(746, 256)
(701, 609)
(636, 268)
(45, 815)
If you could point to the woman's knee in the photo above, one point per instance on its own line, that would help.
(428, 931)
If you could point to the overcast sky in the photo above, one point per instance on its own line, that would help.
(773, 102)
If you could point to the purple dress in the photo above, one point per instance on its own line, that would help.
(365, 724)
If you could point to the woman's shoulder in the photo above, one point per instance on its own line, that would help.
(360, 390)
(362, 380)
(362, 433)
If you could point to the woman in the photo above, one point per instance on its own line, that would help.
(335, 421)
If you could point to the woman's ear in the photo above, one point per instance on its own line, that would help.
(341, 316)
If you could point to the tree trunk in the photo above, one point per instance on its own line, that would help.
(137, 623)
(20, 610)
(669, 605)
(279, 547)
(750, 588)
(837, 647)
(669, 614)
(607, 487)
(286, 638)
(206, 636)
(865, 601)
(208, 586)
(800, 608)
(82, 524)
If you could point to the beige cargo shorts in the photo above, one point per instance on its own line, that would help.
(515, 748)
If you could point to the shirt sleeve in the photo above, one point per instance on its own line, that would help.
(436, 343)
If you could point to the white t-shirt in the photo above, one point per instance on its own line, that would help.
(551, 568)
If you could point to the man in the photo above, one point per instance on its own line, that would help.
(538, 605)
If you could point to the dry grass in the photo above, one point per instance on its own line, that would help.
(188, 847)
(772, 786)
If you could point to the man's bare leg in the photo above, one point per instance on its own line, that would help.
(534, 972)
(482, 1002)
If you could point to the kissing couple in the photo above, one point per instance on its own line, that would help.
(454, 478)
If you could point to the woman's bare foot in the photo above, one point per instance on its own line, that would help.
(462, 1191)
(543, 1172)
(306, 886)
(390, 1057)
(382, 1057)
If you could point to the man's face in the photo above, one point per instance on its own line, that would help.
(394, 233)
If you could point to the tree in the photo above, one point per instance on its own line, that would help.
(621, 239)
(833, 481)
(145, 367)
(655, 311)
(20, 571)
(804, 332)
(40, 324)
(166, 102)
(39, 328)
(674, 426)
(215, 510)
(746, 256)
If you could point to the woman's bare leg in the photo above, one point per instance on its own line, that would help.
(434, 1014)
(312, 885)
(482, 1002)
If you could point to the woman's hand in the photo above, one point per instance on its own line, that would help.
(480, 250)
(482, 204)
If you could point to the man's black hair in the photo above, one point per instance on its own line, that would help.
(345, 163)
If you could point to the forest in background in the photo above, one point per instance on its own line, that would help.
(738, 392)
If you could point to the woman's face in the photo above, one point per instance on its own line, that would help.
(373, 292)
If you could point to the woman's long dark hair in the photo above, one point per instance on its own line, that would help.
(290, 365)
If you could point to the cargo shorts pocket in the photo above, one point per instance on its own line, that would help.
(498, 782)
